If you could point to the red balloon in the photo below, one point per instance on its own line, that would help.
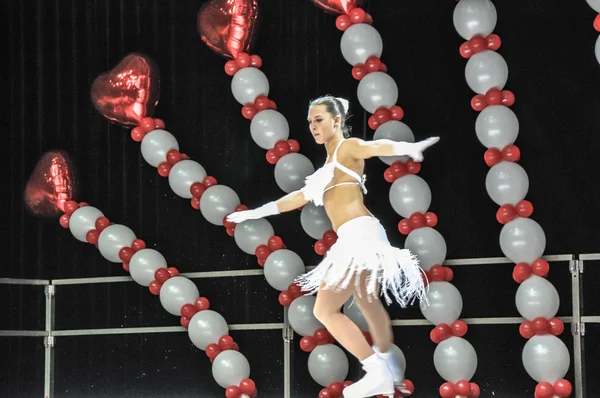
(129, 92)
(540, 267)
(228, 27)
(184, 321)
(293, 145)
(399, 169)
(563, 387)
(162, 275)
(404, 227)
(511, 153)
(508, 98)
(202, 304)
(337, 6)
(336, 389)
(281, 148)
(417, 220)
(505, 214)
(544, 390)
(493, 42)
(138, 245)
(255, 61)
(597, 23)
(373, 123)
(475, 390)
(320, 247)
(126, 253)
(358, 15)
(413, 167)
(271, 156)
(92, 236)
(389, 175)
(477, 44)
(431, 219)
(330, 237)
(188, 310)
(321, 336)
(524, 208)
(233, 392)
(324, 393)
(521, 272)
(359, 71)
(556, 326)
(247, 386)
(154, 287)
(493, 96)
(373, 64)
(396, 112)
(275, 243)
(526, 330)
(447, 390)
(64, 221)
(101, 223)
(459, 328)
(448, 274)
(231, 67)
(465, 50)
(51, 184)
(343, 22)
(285, 298)
(492, 157)
(436, 273)
(540, 325)
(262, 251)
(462, 387)
(478, 103)
(294, 290)
(307, 344)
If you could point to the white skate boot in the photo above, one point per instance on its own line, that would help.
(378, 380)
(391, 362)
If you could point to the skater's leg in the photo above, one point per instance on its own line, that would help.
(378, 319)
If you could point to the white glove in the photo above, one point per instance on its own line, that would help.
(414, 150)
(265, 210)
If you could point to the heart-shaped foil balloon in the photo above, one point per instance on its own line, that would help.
(228, 27)
(129, 92)
(51, 184)
(337, 6)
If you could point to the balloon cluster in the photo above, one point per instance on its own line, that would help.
(207, 329)
(595, 4)
(545, 357)
(410, 196)
(460, 388)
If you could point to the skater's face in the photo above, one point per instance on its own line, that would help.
(323, 125)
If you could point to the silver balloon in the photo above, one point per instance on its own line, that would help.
(595, 4)
(507, 183)
(207, 327)
(597, 49)
(112, 239)
(445, 303)
(395, 131)
(497, 126)
(144, 264)
(268, 127)
(83, 220)
(314, 220)
(291, 170)
(455, 359)
(155, 146)
(359, 42)
(229, 368)
(252, 233)
(249, 83)
(474, 17)
(546, 358)
(282, 267)
(428, 245)
(486, 70)
(399, 356)
(410, 194)
(536, 297)
(352, 311)
(376, 90)
(183, 174)
(301, 316)
(217, 202)
(176, 292)
(328, 364)
(522, 240)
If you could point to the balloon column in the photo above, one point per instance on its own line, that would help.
(361, 45)
(595, 4)
(545, 357)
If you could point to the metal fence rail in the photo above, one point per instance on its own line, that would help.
(577, 321)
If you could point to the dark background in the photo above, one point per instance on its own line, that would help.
(54, 50)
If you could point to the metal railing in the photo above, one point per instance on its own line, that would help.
(576, 320)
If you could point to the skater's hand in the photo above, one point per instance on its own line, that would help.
(241, 216)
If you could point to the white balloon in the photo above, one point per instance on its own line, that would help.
(474, 17)
(155, 146)
(359, 42)
(176, 292)
(249, 83)
(410, 194)
(144, 264)
(301, 316)
(207, 327)
(455, 359)
(522, 240)
(497, 126)
(507, 183)
(486, 70)
(217, 202)
(376, 90)
(546, 358)
(352, 311)
(229, 368)
(536, 297)
(597, 49)
(314, 220)
(83, 220)
(595, 4)
(268, 127)
(291, 171)
(282, 267)
(396, 131)
(327, 363)
(444, 303)
(112, 239)
(428, 245)
(183, 174)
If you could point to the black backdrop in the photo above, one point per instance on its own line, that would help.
(56, 48)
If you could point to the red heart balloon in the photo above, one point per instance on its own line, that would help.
(337, 6)
(228, 27)
(129, 92)
(51, 184)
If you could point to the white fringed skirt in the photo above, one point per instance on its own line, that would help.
(363, 247)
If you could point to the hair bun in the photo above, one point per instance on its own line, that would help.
(345, 104)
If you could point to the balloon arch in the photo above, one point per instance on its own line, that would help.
(128, 95)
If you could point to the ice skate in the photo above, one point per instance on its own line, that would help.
(378, 380)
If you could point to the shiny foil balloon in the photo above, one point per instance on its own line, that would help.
(337, 6)
(228, 27)
(129, 92)
(51, 184)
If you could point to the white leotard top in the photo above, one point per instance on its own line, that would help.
(316, 184)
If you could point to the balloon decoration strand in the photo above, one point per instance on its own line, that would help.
(207, 329)
(410, 197)
(545, 357)
(595, 4)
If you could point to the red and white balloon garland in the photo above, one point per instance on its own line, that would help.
(595, 4)
(410, 197)
(522, 240)
(207, 329)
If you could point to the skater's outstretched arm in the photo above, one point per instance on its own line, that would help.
(360, 149)
(289, 202)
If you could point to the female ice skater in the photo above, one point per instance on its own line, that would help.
(362, 262)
